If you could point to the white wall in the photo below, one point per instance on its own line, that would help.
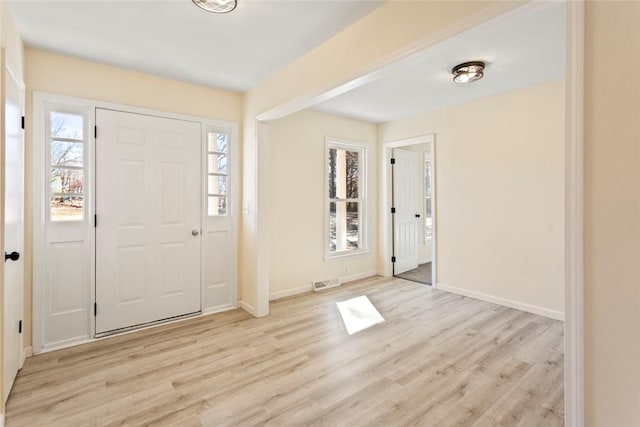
(500, 195)
(296, 203)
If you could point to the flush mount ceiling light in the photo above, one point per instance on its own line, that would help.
(467, 72)
(216, 6)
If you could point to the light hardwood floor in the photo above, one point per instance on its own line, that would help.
(438, 360)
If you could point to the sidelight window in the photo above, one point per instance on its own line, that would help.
(217, 173)
(428, 198)
(66, 138)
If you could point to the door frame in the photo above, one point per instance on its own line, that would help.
(39, 206)
(386, 201)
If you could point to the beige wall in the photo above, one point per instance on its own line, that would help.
(612, 251)
(612, 214)
(296, 204)
(500, 197)
(366, 45)
(48, 72)
(11, 45)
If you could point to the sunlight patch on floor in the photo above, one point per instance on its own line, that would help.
(358, 314)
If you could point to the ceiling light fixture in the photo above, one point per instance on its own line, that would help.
(467, 72)
(216, 6)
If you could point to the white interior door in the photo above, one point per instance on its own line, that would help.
(148, 207)
(14, 231)
(405, 219)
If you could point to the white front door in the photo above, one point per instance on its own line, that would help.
(14, 231)
(148, 208)
(405, 220)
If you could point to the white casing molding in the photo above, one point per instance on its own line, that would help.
(386, 200)
(574, 219)
(529, 308)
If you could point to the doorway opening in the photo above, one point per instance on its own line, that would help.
(412, 209)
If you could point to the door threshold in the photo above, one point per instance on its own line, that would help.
(146, 325)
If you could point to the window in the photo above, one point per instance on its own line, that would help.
(217, 173)
(345, 198)
(428, 194)
(66, 141)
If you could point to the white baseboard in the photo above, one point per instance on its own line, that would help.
(218, 309)
(1, 420)
(541, 311)
(351, 278)
(308, 288)
(424, 261)
(381, 273)
(59, 345)
(290, 292)
(248, 308)
(26, 352)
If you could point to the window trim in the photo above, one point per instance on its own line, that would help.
(360, 147)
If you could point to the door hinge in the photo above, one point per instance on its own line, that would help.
(95, 132)
(22, 122)
(95, 221)
(393, 161)
(393, 210)
(20, 327)
(95, 308)
(393, 259)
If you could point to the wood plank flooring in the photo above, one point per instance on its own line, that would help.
(438, 360)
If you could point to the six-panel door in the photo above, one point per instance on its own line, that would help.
(148, 251)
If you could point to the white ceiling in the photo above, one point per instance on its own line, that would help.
(521, 48)
(176, 39)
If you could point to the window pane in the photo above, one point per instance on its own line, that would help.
(66, 125)
(65, 153)
(218, 142)
(67, 208)
(332, 227)
(217, 163)
(344, 170)
(332, 173)
(65, 180)
(353, 225)
(344, 225)
(216, 205)
(428, 220)
(217, 185)
(352, 172)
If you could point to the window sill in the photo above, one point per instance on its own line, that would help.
(343, 255)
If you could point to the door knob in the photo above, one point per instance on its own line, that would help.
(195, 232)
(13, 256)
(417, 215)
